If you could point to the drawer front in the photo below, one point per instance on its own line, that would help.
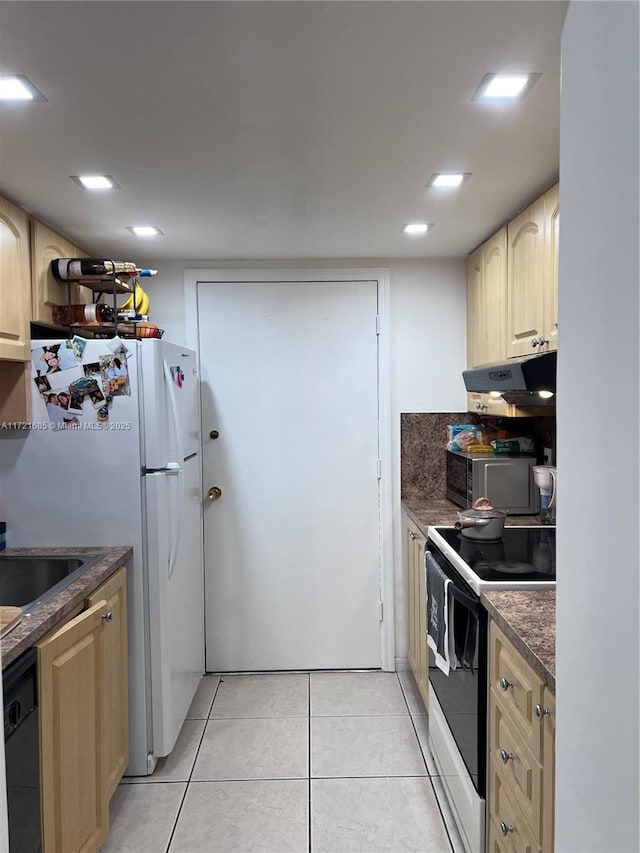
(519, 769)
(517, 687)
(508, 825)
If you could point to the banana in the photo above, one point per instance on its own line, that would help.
(144, 306)
(141, 296)
(128, 303)
(141, 302)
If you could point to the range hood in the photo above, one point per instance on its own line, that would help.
(518, 380)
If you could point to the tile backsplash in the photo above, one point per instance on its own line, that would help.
(423, 437)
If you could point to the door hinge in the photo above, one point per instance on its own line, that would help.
(377, 324)
(379, 468)
(380, 611)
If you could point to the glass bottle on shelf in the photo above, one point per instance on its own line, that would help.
(76, 269)
(93, 314)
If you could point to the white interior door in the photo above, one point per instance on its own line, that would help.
(292, 548)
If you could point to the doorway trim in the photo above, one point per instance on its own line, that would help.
(381, 276)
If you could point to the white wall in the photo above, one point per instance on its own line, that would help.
(598, 630)
(428, 349)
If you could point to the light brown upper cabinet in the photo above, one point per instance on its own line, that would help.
(15, 298)
(532, 277)
(525, 280)
(15, 310)
(552, 243)
(474, 294)
(486, 295)
(47, 244)
(486, 316)
(512, 294)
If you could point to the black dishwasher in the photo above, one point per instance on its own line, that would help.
(20, 693)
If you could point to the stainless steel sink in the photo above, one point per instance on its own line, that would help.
(31, 581)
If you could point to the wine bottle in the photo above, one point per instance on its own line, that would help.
(75, 269)
(95, 313)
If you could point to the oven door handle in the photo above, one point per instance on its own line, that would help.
(470, 602)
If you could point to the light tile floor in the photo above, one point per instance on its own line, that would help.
(291, 763)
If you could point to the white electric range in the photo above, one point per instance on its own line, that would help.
(522, 559)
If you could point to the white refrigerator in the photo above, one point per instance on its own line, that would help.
(133, 479)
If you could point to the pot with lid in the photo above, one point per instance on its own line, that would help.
(482, 521)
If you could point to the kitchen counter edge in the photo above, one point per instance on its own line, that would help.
(441, 512)
(35, 625)
(528, 620)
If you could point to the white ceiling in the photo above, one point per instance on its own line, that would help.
(277, 130)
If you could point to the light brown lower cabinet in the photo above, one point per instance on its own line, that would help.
(82, 748)
(115, 682)
(522, 752)
(415, 544)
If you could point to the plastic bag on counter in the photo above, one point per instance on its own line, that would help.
(524, 444)
(462, 435)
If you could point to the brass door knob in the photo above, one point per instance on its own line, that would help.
(214, 493)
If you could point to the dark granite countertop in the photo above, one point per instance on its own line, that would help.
(528, 619)
(38, 623)
(442, 512)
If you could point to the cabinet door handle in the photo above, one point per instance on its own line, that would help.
(541, 712)
(412, 534)
(506, 756)
(108, 616)
(505, 684)
(505, 828)
(540, 341)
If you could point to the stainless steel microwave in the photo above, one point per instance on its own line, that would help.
(506, 480)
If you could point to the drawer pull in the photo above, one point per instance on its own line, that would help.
(412, 534)
(505, 684)
(541, 712)
(108, 616)
(505, 828)
(506, 756)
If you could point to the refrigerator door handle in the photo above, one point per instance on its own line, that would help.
(176, 517)
(173, 406)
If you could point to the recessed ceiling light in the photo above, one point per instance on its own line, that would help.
(144, 230)
(17, 87)
(417, 227)
(95, 182)
(448, 179)
(504, 87)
